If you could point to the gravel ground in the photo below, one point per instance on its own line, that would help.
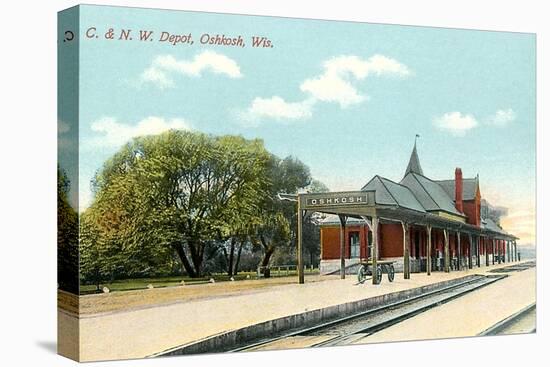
(145, 327)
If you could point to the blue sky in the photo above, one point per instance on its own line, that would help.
(345, 98)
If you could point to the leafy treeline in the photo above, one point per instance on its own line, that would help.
(67, 236)
(191, 197)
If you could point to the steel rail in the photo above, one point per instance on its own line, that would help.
(379, 309)
(507, 322)
(378, 326)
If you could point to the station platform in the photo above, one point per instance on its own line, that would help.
(145, 331)
(468, 315)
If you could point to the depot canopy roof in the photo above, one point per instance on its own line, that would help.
(391, 203)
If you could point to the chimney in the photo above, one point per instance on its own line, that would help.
(458, 190)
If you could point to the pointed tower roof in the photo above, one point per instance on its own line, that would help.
(414, 163)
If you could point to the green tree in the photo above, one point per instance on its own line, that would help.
(94, 267)
(232, 244)
(275, 229)
(176, 191)
(67, 236)
(317, 186)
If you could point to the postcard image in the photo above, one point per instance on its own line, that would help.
(234, 183)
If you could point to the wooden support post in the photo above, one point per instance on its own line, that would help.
(504, 248)
(458, 250)
(478, 258)
(493, 250)
(374, 248)
(470, 252)
(515, 250)
(486, 252)
(406, 251)
(446, 259)
(368, 249)
(343, 220)
(508, 247)
(429, 250)
(300, 250)
(498, 251)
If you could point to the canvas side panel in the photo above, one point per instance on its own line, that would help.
(67, 183)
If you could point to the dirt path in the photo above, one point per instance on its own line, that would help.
(143, 298)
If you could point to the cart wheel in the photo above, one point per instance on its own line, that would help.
(362, 274)
(378, 275)
(391, 273)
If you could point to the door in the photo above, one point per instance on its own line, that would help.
(354, 244)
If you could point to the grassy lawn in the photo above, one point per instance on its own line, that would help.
(162, 282)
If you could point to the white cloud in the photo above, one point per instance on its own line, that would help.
(456, 123)
(330, 88)
(501, 118)
(157, 76)
(335, 84)
(163, 66)
(114, 133)
(277, 108)
(380, 65)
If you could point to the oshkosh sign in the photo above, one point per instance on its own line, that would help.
(338, 199)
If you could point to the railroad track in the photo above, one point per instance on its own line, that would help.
(524, 321)
(348, 329)
(515, 267)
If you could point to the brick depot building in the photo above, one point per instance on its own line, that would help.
(455, 201)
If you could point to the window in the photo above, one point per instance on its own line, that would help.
(354, 245)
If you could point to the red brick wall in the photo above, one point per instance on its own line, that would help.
(330, 241)
(391, 241)
(472, 210)
(363, 238)
(391, 244)
(419, 232)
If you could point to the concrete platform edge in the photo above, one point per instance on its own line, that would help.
(229, 340)
(504, 323)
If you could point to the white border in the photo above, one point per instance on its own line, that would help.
(28, 161)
